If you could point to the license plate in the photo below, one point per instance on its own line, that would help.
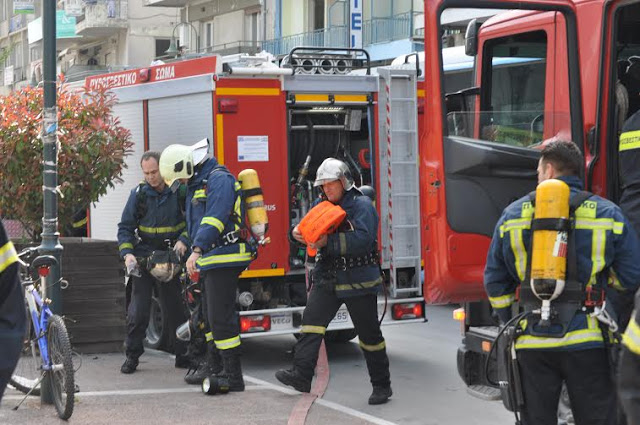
(281, 321)
(342, 316)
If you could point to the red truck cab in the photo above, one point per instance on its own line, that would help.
(543, 69)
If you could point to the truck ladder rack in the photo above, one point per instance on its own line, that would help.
(400, 195)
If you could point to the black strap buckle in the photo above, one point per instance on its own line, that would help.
(231, 237)
(341, 263)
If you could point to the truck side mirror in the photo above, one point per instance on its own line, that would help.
(471, 38)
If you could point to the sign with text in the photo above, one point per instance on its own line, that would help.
(355, 24)
(188, 68)
(23, 6)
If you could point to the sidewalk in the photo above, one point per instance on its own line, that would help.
(156, 394)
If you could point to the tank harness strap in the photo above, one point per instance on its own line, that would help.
(235, 236)
(574, 295)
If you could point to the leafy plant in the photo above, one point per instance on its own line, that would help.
(91, 153)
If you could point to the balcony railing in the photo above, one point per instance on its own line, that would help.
(382, 30)
(102, 18)
(376, 30)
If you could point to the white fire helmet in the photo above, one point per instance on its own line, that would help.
(333, 169)
(178, 161)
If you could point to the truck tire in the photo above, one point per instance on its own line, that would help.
(155, 337)
(167, 313)
(341, 336)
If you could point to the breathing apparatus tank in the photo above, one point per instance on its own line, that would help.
(256, 211)
(549, 244)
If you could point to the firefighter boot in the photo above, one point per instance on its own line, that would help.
(304, 363)
(294, 379)
(380, 395)
(233, 369)
(378, 366)
(129, 365)
(210, 365)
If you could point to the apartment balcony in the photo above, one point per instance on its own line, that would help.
(374, 31)
(165, 3)
(233, 48)
(102, 18)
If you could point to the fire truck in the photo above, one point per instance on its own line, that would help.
(543, 69)
(283, 122)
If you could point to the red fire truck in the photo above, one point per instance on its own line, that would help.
(283, 122)
(556, 68)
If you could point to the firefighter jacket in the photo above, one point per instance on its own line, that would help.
(607, 252)
(629, 367)
(12, 306)
(628, 160)
(215, 214)
(350, 261)
(149, 218)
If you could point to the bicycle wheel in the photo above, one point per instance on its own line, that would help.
(62, 373)
(29, 367)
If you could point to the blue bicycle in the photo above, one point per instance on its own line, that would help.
(47, 349)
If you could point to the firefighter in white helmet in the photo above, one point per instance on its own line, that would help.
(347, 271)
(219, 250)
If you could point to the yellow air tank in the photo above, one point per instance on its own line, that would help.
(254, 201)
(549, 246)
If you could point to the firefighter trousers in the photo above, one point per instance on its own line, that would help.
(322, 306)
(139, 311)
(589, 383)
(220, 288)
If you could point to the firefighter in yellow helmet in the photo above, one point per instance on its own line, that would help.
(572, 348)
(219, 249)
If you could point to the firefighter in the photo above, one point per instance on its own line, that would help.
(152, 218)
(221, 249)
(604, 243)
(629, 368)
(12, 310)
(347, 271)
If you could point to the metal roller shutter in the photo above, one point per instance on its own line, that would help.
(106, 213)
(180, 119)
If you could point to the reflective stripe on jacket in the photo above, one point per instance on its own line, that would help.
(215, 208)
(163, 219)
(604, 242)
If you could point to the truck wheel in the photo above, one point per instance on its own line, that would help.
(157, 324)
(341, 336)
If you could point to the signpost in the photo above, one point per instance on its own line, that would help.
(355, 24)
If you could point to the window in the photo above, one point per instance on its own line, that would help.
(512, 100)
(207, 35)
(251, 27)
(162, 44)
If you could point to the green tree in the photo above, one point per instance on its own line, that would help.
(91, 153)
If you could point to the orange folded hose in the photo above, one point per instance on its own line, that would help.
(321, 220)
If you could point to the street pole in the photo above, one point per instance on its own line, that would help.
(50, 243)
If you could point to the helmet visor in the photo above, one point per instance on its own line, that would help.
(320, 182)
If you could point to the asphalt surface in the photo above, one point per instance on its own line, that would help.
(427, 389)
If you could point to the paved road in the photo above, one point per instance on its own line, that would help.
(426, 387)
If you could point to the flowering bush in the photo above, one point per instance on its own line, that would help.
(91, 153)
